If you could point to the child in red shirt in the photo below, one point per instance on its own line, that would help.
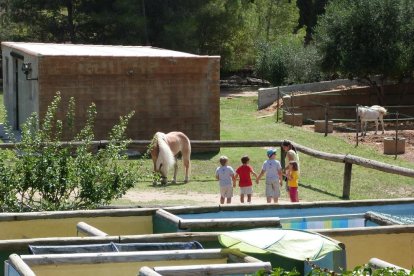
(245, 182)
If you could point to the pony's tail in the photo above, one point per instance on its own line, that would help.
(165, 155)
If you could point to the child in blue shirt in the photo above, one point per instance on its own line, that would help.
(273, 171)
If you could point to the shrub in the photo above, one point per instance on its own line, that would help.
(288, 61)
(42, 174)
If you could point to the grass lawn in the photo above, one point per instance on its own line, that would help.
(320, 179)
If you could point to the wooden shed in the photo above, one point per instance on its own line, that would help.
(168, 90)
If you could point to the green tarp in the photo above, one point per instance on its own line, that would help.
(294, 244)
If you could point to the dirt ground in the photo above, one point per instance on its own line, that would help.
(376, 140)
(148, 198)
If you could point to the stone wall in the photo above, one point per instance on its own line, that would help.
(267, 96)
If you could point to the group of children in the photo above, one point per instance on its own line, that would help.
(227, 177)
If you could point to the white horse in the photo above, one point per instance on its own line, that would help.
(165, 148)
(373, 113)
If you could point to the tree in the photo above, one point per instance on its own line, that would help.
(288, 61)
(229, 28)
(309, 10)
(367, 39)
(275, 18)
(77, 21)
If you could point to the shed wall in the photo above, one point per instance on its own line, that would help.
(177, 93)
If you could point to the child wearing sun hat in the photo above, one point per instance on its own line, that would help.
(273, 170)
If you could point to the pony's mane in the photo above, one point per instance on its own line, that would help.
(165, 155)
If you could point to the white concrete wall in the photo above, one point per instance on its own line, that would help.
(267, 96)
(28, 100)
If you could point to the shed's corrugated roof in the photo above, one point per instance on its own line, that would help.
(50, 49)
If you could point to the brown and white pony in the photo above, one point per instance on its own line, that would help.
(164, 151)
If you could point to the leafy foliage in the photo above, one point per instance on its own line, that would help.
(366, 38)
(359, 270)
(288, 61)
(229, 28)
(42, 174)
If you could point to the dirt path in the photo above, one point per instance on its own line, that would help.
(148, 198)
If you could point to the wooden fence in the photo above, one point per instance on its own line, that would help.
(347, 159)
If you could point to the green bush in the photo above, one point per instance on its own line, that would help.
(42, 174)
(288, 61)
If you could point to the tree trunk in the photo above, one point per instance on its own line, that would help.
(71, 27)
(381, 94)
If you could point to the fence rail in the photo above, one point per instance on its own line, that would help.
(347, 159)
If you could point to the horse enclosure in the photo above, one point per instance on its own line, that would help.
(340, 103)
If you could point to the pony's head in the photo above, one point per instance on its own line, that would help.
(361, 110)
(162, 155)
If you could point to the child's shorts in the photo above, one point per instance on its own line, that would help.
(272, 189)
(246, 190)
(226, 191)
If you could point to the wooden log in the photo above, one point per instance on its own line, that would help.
(235, 144)
(22, 244)
(320, 154)
(122, 257)
(381, 219)
(192, 210)
(168, 216)
(20, 266)
(213, 269)
(346, 191)
(146, 271)
(228, 223)
(172, 237)
(78, 213)
(365, 231)
(378, 264)
(275, 143)
(89, 230)
(372, 164)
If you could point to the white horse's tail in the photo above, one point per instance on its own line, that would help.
(165, 158)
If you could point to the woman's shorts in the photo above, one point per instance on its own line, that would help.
(272, 189)
(246, 190)
(226, 191)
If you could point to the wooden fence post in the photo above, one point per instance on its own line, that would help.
(357, 124)
(396, 135)
(282, 157)
(277, 105)
(347, 181)
(326, 119)
(291, 106)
